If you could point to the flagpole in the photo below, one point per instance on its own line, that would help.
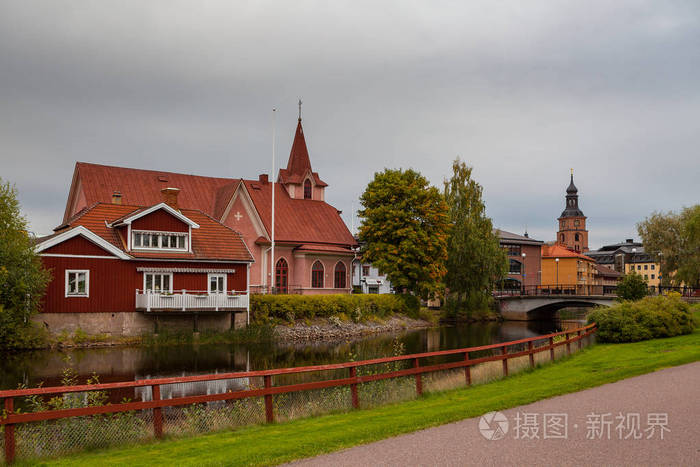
(272, 176)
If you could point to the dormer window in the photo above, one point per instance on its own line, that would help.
(307, 189)
(176, 241)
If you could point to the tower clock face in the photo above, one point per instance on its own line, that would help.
(576, 222)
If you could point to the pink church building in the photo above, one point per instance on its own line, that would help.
(313, 246)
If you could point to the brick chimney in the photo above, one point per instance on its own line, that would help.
(117, 197)
(170, 197)
(262, 178)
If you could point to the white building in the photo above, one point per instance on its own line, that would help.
(367, 277)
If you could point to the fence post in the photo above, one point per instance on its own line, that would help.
(551, 348)
(568, 344)
(269, 414)
(9, 433)
(467, 370)
(578, 333)
(504, 351)
(157, 413)
(353, 389)
(531, 354)
(419, 380)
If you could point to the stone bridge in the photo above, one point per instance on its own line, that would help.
(537, 307)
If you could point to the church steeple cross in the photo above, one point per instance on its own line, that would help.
(299, 109)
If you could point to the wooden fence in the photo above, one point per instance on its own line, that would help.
(12, 418)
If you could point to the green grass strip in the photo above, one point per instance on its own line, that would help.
(277, 443)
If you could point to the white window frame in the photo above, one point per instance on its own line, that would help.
(87, 283)
(209, 277)
(160, 235)
(158, 274)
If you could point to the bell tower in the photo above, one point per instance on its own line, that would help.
(572, 223)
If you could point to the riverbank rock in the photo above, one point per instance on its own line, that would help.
(335, 329)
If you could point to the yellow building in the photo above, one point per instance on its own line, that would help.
(643, 266)
(567, 269)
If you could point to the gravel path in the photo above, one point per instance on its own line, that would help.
(673, 392)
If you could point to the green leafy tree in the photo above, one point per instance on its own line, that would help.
(404, 230)
(632, 287)
(674, 239)
(475, 259)
(22, 278)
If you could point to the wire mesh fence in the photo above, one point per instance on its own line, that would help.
(195, 405)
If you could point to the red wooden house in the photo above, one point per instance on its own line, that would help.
(313, 246)
(126, 269)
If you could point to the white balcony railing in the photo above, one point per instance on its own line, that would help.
(185, 300)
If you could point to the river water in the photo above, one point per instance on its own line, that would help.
(114, 364)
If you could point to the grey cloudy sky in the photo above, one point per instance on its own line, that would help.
(520, 90)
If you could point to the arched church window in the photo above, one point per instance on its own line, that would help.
(577, 237)
(339, 275)
(317, 275)
(562, 238)
(307, 189)
(281, 275)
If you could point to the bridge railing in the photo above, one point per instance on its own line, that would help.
(270, 390)
(558, 290)
(588, 290)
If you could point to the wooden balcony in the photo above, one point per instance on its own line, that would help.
(191, 300)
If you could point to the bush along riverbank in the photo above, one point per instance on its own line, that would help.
(648, 318)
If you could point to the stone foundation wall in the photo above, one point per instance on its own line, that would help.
(135, 323)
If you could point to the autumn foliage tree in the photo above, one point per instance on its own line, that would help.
(404, 230)
(475, 259)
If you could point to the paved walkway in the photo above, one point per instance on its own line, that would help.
(674, 392)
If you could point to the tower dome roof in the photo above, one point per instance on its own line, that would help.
(572, 188)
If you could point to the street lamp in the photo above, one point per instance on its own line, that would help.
(523, 271)
(556, 260)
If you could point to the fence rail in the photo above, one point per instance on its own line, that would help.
(11, 418)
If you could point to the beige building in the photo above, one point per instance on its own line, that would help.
(643, 266)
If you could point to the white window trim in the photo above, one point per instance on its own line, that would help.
(186, 249)
(87, 283)
(210, 275)
(160, 274)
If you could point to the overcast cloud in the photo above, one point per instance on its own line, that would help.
(522, 91)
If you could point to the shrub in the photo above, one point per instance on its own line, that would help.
(287, 308)
(649, 318)
(632, 287)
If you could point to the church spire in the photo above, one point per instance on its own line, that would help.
(299, 162)
(571, 208)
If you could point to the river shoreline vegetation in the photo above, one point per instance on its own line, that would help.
(647, 318)
(289, 440)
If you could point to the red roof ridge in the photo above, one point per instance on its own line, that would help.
(164, 172)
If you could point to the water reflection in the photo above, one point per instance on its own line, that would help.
(138, 363)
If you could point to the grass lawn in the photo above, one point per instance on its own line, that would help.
(273, 444)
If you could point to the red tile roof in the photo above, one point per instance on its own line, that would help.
(296, 220)
(142, 187)
(212, 241)
(558, 251)
(299, 220)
